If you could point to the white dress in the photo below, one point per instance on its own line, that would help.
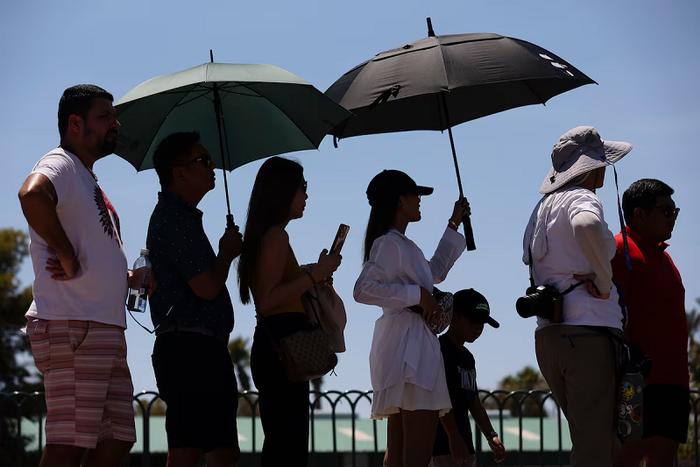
(406, 367)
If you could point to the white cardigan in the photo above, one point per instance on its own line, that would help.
(403, 347)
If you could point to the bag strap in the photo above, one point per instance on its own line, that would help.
(314, 299)
(261, 320)
(623, 230)
(625, 248)
(529, 252)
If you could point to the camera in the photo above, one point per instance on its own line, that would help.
(543, 301)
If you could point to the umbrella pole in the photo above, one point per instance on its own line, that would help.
(466, 220)
(219, 116)
(217, 106)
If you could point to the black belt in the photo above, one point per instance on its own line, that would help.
(174, 328)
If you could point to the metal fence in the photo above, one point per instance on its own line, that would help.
(30, 407)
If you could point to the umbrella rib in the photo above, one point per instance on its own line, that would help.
(532, 91)
(447, 81)
(205, 91)
(192, 99)
(160, 125)
(397, 53)
(239, 93)
(285, 113)
(180, 90)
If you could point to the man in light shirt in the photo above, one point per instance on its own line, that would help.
(568, 246)
(76, 322)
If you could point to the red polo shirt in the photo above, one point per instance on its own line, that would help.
(655, 297)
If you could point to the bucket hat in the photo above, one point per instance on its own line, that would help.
(578, 151)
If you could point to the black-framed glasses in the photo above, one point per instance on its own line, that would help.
(204, 159)
(669, 212)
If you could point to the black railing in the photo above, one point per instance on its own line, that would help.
(16, 406)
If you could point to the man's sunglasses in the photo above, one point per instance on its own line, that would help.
(668, 212)
(204, 160)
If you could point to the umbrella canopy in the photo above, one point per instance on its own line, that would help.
(441, 81)
(474, 75)
(260, 110)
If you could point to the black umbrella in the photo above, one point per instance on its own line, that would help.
(441, 81)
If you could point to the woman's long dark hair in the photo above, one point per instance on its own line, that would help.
(381, 217)
(273, 191)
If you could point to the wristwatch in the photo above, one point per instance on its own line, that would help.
(492, 435)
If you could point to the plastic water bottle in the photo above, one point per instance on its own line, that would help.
(137, 298)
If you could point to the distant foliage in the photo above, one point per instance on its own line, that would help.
(686, 452)
(527, 379)
(693, 317)
(15, 360)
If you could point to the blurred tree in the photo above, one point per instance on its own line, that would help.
(686, 451)
(527, 379)
(316, 386)
(157, 408)
(15, 359)
(693, 317)
(240, 356)
(14, 346)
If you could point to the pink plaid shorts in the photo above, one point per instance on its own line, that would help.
(87, 383)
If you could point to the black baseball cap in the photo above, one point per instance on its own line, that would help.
(390, 184)
(473, 305)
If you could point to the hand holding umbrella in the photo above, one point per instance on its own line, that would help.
(248, 111)
(461, 211)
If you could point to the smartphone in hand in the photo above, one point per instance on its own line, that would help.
(339, 239)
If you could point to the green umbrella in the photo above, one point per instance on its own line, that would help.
(248, 112)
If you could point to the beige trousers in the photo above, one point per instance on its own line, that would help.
(579, 366)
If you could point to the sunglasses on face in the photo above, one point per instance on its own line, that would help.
(304, 186)
(204, 159)
(668, 212)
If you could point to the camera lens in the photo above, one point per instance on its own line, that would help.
(526, 306)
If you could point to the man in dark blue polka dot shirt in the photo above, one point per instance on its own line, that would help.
(191, 309)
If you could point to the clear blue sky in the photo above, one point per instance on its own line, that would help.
(643, 54)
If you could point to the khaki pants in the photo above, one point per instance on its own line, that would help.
(579, 366)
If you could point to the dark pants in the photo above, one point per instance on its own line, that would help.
(195, 378)
(284, 405)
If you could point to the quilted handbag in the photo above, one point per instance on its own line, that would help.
(307, 354)
(441, 320)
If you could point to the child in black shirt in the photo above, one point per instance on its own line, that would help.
(470, 313)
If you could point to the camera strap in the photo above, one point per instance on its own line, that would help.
(532, 278)
(572, 287)
(529, 264)
(623, 230)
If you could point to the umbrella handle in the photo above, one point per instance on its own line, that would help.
(468, 233)
(229, 221)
